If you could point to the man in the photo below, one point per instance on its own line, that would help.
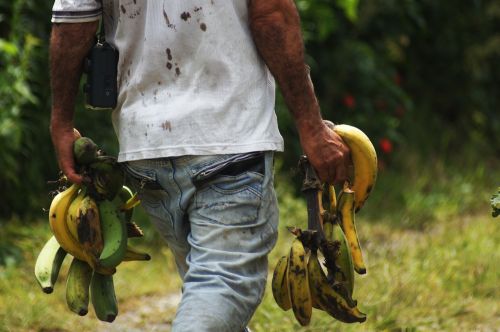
(196, 126)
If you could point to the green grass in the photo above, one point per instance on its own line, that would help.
(431, 246)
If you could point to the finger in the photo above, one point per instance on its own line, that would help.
(341, 174)
(69, 170)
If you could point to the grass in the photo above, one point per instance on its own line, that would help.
(431, 246)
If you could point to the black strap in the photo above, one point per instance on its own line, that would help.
(101, 34)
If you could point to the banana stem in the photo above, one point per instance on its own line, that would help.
(312, 189)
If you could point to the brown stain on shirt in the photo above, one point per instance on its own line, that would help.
(167, 125)
(185, 16)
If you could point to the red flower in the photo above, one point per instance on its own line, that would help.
(349, 101)
(386, 145)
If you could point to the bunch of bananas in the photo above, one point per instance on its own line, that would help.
(319, 270)
(92, 223)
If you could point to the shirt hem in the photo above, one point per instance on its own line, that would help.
(197, 151)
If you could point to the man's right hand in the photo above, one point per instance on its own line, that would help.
(62, 139)
(327, 153)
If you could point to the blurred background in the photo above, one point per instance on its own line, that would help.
(421, 78)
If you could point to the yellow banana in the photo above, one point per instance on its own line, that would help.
(72, 216)
(327, 298)
(57, 219)
(345, 215)
(280, 284)
(298, 285)
(332, 198)
(364, 159)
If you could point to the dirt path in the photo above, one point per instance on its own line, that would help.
(146, 313)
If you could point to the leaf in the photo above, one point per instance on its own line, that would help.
(350, 8)
(8, 47)
(495, 203)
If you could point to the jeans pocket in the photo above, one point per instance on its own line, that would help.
(231, 199)
(150, 192)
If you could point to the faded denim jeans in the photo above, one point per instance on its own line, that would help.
(219, 216)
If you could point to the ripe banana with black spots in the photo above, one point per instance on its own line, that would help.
(89, 226)
(103, 297)
(298, 284)
(327, 297)
(114, 234)
(57, 219)
(279, 284)
(48, 264)
(77, 287)
(345, 215)
(364, 159)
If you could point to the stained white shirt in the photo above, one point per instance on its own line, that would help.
(190, 79)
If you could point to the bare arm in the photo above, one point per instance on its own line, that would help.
(275, 25)
(69, 44)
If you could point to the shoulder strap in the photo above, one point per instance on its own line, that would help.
(101, 34)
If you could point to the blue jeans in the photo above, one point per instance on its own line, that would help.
(219, 216)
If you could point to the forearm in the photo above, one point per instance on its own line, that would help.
(69, 44)
(275, 25)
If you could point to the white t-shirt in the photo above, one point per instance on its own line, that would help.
(190, 79)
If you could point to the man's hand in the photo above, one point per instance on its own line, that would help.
(275, 26)
(327, 153)
(63, 138)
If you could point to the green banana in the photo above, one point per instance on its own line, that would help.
(107, 177)
(48, 264)
(77, 286)
(114, 234)
(279, 284)
(344, 259)
(84, 150)
(103, 296)
(327, 297)
(135, 255)
(298, 288)
(126, 211)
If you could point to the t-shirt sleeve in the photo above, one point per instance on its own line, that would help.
(76, 11)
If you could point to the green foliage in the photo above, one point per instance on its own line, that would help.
(413, 75)
(495, 203)
(421, 74)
